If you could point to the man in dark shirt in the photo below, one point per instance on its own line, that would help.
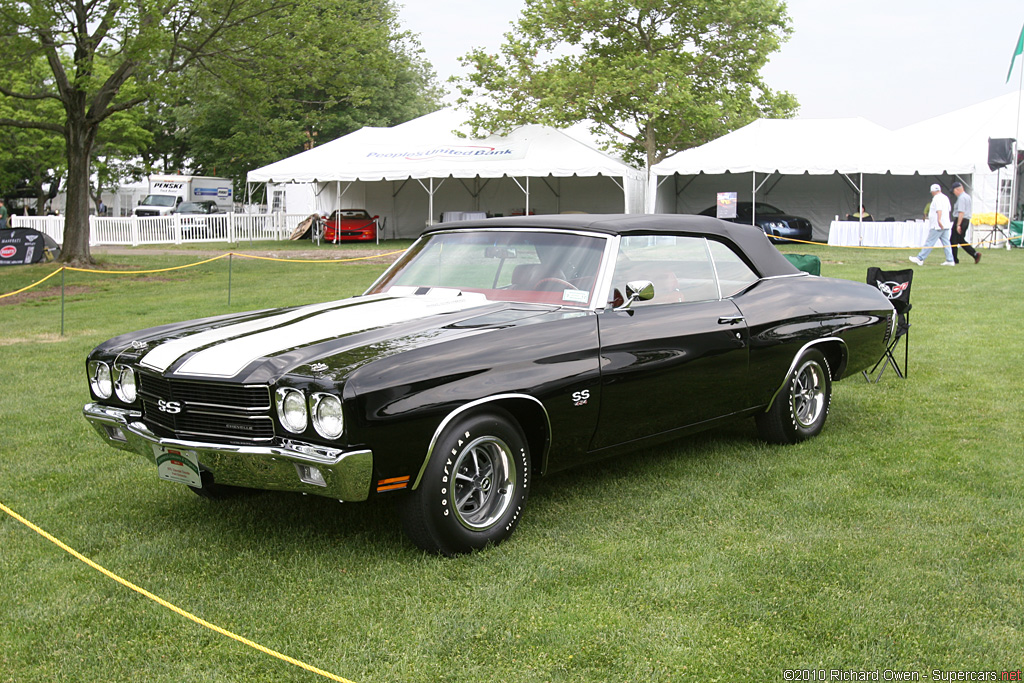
(961, 219)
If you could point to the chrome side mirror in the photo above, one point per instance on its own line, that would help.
(638, 290)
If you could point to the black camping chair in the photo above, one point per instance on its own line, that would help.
(895, 285)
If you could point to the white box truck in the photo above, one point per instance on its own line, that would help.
(167, 191)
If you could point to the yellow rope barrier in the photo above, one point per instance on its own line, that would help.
(38, 282)
(160, 601)
(193, 265)
(935, 246)
(146, 272)
(112, 272)
(295, 260)
(842, 246)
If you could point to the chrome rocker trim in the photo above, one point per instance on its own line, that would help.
(345, 475)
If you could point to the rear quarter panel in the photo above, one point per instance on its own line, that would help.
(784, 314)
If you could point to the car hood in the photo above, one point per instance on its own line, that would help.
(261, 346)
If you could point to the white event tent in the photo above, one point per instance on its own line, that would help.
(421, 171)
(964, 134)
(816, 168)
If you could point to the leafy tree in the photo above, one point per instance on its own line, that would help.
(32, 160)
(167, 152)
(106, 57)
(119, 143)
(654, 77)
(222, 85)
(337, 67)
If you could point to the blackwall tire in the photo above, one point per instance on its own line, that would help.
(474, 488)
(801, 408)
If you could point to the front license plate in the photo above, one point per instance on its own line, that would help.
(178, 465)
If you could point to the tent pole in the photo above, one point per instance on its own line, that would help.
(429, 189)
(860, 211)
(753, 197)
(1014, 189)
(524, 190)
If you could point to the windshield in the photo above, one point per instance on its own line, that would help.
(527, 266)
(349, 213)
(192, 207)
(158, 200)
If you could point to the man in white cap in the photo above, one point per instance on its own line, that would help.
(938, 228)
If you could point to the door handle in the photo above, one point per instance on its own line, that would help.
(731, 320)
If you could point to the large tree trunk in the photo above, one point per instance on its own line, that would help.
(79, 135)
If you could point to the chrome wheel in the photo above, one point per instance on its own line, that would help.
(809, 395)
(483, 483)
(801, 407)
(474, 487)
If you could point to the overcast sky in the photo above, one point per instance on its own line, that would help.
(894, 62)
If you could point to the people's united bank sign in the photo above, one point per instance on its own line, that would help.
(450, 153)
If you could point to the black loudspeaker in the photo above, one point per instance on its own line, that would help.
(1000, 152)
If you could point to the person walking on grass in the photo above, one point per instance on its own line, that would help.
(961, 219)
(938, 228)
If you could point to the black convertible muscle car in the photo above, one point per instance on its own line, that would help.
(492, 352)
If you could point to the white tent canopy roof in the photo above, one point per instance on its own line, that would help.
(813, 146)
(427, 148)
(964, 133)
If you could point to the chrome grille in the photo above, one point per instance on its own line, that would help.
(239, 396)
(188, 408)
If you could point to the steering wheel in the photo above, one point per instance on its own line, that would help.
(556, 280)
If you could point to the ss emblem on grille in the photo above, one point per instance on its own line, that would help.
(172, 407)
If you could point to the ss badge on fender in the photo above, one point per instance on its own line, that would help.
(580, 398)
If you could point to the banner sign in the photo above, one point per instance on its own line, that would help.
(167, 187)
(451, 152)
(219, 192)
(21, 246)
(726, 205)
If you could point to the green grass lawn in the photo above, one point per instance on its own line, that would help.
(891, 542)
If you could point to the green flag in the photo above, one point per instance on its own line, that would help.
(1019, 50)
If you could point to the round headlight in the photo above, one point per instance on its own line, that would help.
(291, 410)
(327, 417)
(99, 379)
(125, 386)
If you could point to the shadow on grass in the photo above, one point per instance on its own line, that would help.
(286, 523)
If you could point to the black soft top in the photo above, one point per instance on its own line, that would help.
(748, 238)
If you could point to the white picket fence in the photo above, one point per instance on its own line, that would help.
(174, 229)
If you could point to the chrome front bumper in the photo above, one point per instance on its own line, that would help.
(345, 475)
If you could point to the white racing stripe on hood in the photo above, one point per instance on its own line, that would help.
(161, 357)
(232, 356)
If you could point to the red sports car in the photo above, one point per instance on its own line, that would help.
(346, 225)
